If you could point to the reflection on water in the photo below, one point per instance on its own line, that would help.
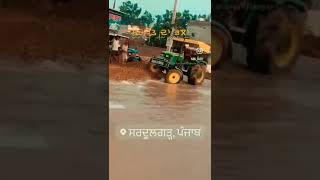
(267, 127)
(156, 103)
(160, 100)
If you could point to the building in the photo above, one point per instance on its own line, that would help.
(200, 30)
(115, 18)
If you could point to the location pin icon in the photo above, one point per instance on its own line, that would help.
(123, 132)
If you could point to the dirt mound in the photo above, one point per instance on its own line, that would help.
(131, 71)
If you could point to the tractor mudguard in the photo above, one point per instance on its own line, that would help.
(202, 63)
(220, 27)
(252, 18)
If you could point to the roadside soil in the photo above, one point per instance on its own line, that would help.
(135, 71)
(131, 72)
(32, 36)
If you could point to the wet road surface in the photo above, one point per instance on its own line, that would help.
(51, 119)
(157, 104)
(267, 127)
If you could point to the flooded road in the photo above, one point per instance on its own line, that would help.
(51, 119)
(157, 104)
(267, 127)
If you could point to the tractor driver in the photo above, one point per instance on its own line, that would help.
(188, 52)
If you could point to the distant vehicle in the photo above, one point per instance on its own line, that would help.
(133, 54)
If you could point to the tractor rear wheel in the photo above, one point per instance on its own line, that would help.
(220, 46)
(275, 44)
(197, 75)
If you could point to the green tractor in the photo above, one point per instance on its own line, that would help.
(270, 30)
(173, 66)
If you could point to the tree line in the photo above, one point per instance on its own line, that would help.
(134, 16)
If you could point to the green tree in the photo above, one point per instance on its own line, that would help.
(208, 18)
(132, 13)
(159, 19)
(183, 19)
(167, 19)
(146, 19)
(164, 22)
(161, 22)
(157, 40)
(194, 17)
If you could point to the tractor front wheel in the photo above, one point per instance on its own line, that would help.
(155, 69)
(173, 76)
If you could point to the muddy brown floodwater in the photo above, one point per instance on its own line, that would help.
(154, 103)
(267, 127)
(52, 118)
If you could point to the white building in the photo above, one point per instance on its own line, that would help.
(200, 30)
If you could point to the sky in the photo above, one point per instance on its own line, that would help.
(156, 7)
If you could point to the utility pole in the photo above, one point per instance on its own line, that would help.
(114, 4)
(169, 41)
